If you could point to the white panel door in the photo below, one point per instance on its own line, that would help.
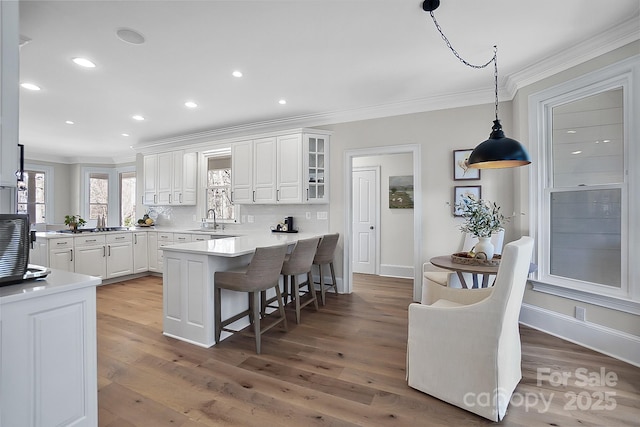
(165, 178)
(150, 179)
(364, 221)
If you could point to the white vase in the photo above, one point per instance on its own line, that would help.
(485, 247)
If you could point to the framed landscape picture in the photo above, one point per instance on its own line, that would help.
(463, 191)
(461, 171)
(401, 192)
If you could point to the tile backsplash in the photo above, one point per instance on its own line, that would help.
(252, 217)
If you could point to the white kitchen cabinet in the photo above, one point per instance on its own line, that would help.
(291, 169)
(316, 168)
(140, 252)
(48, 352)
(182, 238)
(150, 180)
(90, 255)
(61, 254)
(152, 242)
(164, 239)
(242, 172)
(119, 255)
(39, 253)
(264, 170)
(170, 178)
(165, 176)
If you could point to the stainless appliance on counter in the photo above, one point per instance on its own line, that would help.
(15, 241)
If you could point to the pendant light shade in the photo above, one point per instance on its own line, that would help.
(498, 151)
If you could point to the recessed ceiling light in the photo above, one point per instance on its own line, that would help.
(282, 101)
(130, 36)
(137, 117)
(84, 62)
(606, 140)
(69, 122)
(576, 152)
(572, 131)
(190, 104)
(30, 86)
(124, 134)
(237, 73)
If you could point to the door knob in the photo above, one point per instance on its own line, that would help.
(371, 228)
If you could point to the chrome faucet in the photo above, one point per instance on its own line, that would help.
(215, 224)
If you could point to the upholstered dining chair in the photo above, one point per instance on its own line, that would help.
(464, 344)
(324, 256)
(261, 274)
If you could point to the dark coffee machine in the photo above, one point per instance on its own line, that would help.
(288, 221)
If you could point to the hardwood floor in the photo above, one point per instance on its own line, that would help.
(342, 366)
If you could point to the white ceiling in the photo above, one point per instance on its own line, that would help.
(331, 60)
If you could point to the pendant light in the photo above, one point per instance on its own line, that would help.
(498, 151)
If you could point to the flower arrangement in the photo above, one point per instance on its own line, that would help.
(481, 216)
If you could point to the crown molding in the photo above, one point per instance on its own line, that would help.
(607, 41)
(52, 158)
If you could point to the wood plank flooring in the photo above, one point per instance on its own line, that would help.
(344, 365)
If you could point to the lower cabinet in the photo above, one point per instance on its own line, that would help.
(90, 255)
(140, 252)
(119, 255)
(61, 254)
(49, 364)
(164, 239)
(152, 251)
(39, 253)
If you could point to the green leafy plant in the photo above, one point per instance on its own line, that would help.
(74, 221)
(481, 216)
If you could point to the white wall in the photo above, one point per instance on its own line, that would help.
(396, 225)
(439, 133)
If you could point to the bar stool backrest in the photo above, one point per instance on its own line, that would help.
(301, 257)
(326, 249)
(265, 266)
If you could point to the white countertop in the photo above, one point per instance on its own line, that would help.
(237, 246)
(57, 281)
(57, 235)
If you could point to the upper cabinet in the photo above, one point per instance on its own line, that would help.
(280, 169)
(170, 178)
(316, 168)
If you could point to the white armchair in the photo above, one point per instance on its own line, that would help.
(464, 344)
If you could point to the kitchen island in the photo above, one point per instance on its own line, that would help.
(48, 351)
(188, 297)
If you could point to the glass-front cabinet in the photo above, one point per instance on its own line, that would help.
(316, 168)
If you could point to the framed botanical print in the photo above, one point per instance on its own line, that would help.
(459, 192)
(461, 170)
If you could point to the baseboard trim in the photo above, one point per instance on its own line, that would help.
(401, 271)
(605, 340)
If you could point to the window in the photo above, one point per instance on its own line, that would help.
(583, 196)
(98, 195)
(219, 189)
(127, 198)
(31, 201)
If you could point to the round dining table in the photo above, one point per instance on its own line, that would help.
(445, 261)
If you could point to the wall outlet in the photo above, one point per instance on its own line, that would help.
(581, 313)
(250, 218)
(322, 215)
(307, 215)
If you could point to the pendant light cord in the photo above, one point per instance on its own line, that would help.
(494, 59)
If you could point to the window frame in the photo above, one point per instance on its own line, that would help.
(222, 151)
(113, 215)
(119, 172)
(48, 189)
(625, 74)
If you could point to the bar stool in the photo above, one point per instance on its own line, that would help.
(324, 255)
(299, 262)
(261, 274)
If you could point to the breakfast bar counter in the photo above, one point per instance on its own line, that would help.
(188, 297)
